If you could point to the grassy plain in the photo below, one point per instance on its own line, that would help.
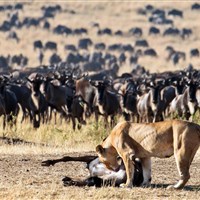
(21, 173)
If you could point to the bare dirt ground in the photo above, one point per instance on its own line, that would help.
(23, 177)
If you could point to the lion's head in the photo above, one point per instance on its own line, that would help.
(109, 157)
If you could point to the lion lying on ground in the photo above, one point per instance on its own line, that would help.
(145, 140)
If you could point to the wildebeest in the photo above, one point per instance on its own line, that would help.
(185, 105)
(84, 43)
(141, 43)
(114, 47)
(51, 46)
(13, 35)
(136, 31)
(128, 101)
(99, 175)
(100, 46)
(118, 33)
(70, 47)
(59, 92)
(106, 102)
(175, 13)
(37, 45)
(36, 100)
(186, 33)
(194, 53)
(87, 92)
(62, 30)
(9, 107)
(171, 32)
(54, 59)
(80, 31)
(105, 31)
(154, 31)
(77, 110)
(150, 52)
(195, 6)
(46, 25)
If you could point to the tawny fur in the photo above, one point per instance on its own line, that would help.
(146, 140)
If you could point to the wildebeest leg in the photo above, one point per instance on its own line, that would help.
(106, 121)
(55, 116)
(91, 181)
(137, 118)
(187, 115)
(126, 116)
(4, 122)
(80, 122)
(69, 158)
(73, 123)
(96, 113)
(23, 114)
(51, 111)
(15, 114)
(36, 120)
(112, 122)
(67, 181)
(49, 114)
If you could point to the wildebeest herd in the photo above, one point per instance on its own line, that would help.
(88, 82)
(162, 23)
(140, 96)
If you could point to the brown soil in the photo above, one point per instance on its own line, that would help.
(23, 177)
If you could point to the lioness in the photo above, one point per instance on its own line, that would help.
(145, 140)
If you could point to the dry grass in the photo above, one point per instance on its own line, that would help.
(23, 177)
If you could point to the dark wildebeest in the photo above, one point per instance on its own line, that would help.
(105, 31)
(84, 43)
(150, 52)
(129, 100)
(9, 107)
(87, 92)
(51, 46)
(106, 101)
(141, 43)
(38, 45)
(77, 111)
(194, 53)
(154, 31)
(99, 175)
(136, 31)
(37, 101)
(175, 13)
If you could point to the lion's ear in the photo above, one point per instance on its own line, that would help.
(100, 149)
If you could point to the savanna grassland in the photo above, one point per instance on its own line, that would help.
(22, 148)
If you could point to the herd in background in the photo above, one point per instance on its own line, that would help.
(87, 83)
(130, 53)
(139, 96)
